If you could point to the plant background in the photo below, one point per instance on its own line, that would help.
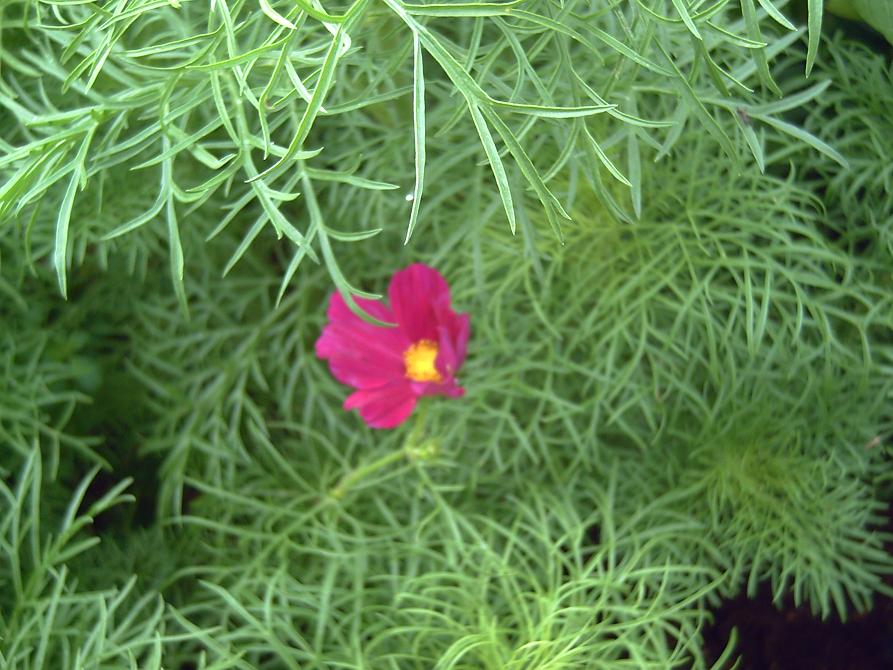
(676, 250)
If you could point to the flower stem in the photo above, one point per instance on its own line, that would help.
(362, 472)
(414, 448)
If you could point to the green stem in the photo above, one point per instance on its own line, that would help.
(360, 473)
(412, 448)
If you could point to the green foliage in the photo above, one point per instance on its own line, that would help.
(47, 621)
(681, 363)
(414, 575)
(857, 116)
(43, 374)
(876, 13)
(798, 521)
(257, 115)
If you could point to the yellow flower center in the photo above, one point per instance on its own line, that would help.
(419, 360)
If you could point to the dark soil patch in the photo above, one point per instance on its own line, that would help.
(792, 638)
(770, 638)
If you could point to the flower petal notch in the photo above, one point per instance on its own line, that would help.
(391, 368)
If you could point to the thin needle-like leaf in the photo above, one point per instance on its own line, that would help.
(502, 182)
(418, 126)
(815, 8)
(63, 220)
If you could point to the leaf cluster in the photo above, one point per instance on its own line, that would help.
(682, 396)
(257, 115)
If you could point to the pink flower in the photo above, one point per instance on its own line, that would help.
(392, 367)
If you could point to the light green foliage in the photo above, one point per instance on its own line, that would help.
(857, 116)
(679, 376)
(255, 115)
(413, 574)
(47, 621)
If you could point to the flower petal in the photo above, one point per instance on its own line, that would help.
(361, 354)
(448, 388)
(414, 292)
(461, 333)
(452, 340)
(384, 407)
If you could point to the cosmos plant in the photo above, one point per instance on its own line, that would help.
(606, 282)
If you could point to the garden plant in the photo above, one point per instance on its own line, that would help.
(500, 334)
